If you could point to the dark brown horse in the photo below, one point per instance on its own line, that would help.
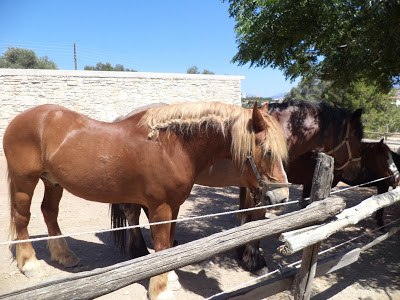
(307, 126)
(377, 161)
(151, 158)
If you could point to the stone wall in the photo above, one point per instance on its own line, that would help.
(107, 95)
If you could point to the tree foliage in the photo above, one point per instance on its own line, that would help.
(20, 58)
(379, 108)
(195, 70)
(107, 67)
(338, 40)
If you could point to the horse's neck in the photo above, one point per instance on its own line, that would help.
(332, 141)
(208, 148)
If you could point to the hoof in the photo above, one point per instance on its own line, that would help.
(60, 253)
(31, 268)
(262, 271)
(252, 259)
(173, 281)
(138, 252)
(68, 259)
(166, 295)
(383, 229)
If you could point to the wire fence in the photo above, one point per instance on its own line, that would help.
(257, 279)
(298, 263)
(183, 219)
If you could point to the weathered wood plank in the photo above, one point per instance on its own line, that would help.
(321, 188)
(285, 281)
(91, 284)
(350, 216)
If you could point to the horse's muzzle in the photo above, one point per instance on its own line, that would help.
(276, 196)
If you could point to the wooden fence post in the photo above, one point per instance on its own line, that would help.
(321, 188)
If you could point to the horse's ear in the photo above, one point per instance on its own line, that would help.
(264, 108)
(356, 114)
(382, 141)
(257, 119)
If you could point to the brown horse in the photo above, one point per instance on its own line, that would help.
(377, 161)
(151, 158)
(307, 126)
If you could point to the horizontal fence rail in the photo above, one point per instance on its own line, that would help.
(98, 282)
(105, 280)
(286, 280)
(297, 240)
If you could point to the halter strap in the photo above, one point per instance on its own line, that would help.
(261, 182)
(346, 142)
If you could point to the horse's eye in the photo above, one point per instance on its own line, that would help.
(269, 153)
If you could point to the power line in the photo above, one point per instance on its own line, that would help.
(63, 51)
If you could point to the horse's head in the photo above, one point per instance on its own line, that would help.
(347, 154)
(380, 160)
(263, 171)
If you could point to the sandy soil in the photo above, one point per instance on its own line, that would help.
(375, 276)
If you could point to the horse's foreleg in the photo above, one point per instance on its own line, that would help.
(250, 253)
(21, 192)
(58, 247)
(173, 280)
(161, 234)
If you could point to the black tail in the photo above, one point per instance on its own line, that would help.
(118, 220)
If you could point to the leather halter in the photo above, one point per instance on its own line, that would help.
(261, 182)
(347, 143)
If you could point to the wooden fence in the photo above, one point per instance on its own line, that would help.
(299, 230)
(392, 139)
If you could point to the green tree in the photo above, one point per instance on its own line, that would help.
(20, 58)
(379, 108)
(310, 89)
(107, 67)
(339, 40)
(195, 70)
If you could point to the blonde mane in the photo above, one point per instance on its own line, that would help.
(188, 118)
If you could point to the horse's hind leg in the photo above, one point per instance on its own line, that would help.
(58, 247)
(21, 192)
(137, 244)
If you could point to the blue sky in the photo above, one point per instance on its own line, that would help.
(147, 35)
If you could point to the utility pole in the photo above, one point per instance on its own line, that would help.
(76, 64)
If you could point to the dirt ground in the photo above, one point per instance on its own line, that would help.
(375, 276)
